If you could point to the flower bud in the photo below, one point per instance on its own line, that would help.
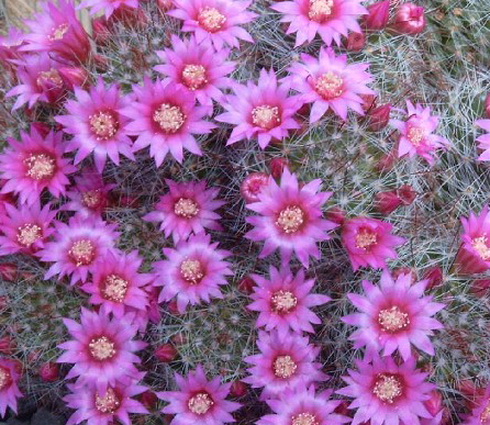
(406, 194)
(379, 117)
(246, 285)
(378, 15)
(7, 345)
(8, 272)
(435, 277)
(166, 353)
(42, 128)
(238, 389)
(49, 372)
(387, 202)
(277, 166)
(487, 105)
(149, 399)
(409, 19)
(73, 76)
(252, 186)
(355, 41)
(434, 404)
(336, 214)
(369, 102)
(101, 30)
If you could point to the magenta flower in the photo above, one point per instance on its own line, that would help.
(290, 218)
(95, 121)
(33, 164)
(329, 82)
(199, 400)
(164, 117)
(102, 349)
(78, 246)
(108, 6)
(484, 140)
(264, 111)
(284, 301)
(386, 393)
(188, 208)
(416, 136)
(9, 47)
(332, 19)
(193, 271)
(117, 286)
(394, 315)
(369, 242)
(9, 390)
(285, 361)
(25, 229)
(215, 20)
(197, 67)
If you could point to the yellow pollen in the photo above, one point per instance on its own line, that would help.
(194, 76)
(102, 348)
(115, 288)
(416, 136)
(104, 125)
(393, 319)
(186, 208)
(91, 198)
(484, 417)
(365, 239)
(28, 234)
(40, 166)
(290, 219)
(480, 246)
(284, 367)
(283, 301)
(387, 388)
(5, 378)
(211, 19)
(59, 32)
(191, 271)
(320, 10)
(329, 85)
(170, 118)
(266, 116)
(200, 403)
(82, 252)
(304, 419)
(109, 403)
(53, 76)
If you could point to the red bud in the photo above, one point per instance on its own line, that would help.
(487, 105)
(8, 271)
(42, 128)
(166, 353)
(435, 277)
(73, 76)
(387, 202)
(238, 389)
(149, 399)
(369, 102)
(49, 372)
(7, 345)
(246, 285)
(409, 19)
(406, 194)
(379, 14)
(355, 41)
(277, 166)
(337, 215)
(434, 404)
(252, 186)
(379, 117)
(102, 33)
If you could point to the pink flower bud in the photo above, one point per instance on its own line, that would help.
(73, 76)
(49, 372)
(149, 399)
(379, 117)
(179, 339)
(387, 162)
(277, 166)
(246, 285)
(409, 19)
(355, 41)
(480, 287)
(101, 30)
(252, 186)
(238, 389)
(379, 14)
(387, 202)
(7, 345)
(487, 105)
(434, 404)
(435, 277)
(172, 308)
(42, 128)
(8, 271)
(337, 215)
(166, 353)
(406, 194)
(369, 102)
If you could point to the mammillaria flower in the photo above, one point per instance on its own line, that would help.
(165, 117)
(285, 361)
(284, 301)
(332, 19)
(78, 246)
(386, 393)
(416, 133)
(199, 400)
(215, 20)
(394, 315)
(102, 349)
(193, 272)
(108, 6)
(198, 67)
(188, 208)
(484, 140)
(9, 390)
(264, 110)
(369, 242)
(329, 82)
(290, 218)
(97, 126)
(33, 164)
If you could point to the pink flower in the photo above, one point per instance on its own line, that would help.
(480, 414)
(409, 19)
(9, 47)
(290, 218)
(188, 208)
(285, 361)
(284, 301)
(416, 136)
(369, 242)
(108, 6)
(197, 67)
(95, 121)
(252, 185)
(9, 390)
(484, 140)
(199, 400)
(332, 19)
(34, 164)
(379, 15)
(164, 117)
(264, 111)
(394, 315)
(78, 246)
(329, 82)
(102, 349)
(193, 271)
(386, 393)
(215, 20)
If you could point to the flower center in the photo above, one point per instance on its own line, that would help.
(266, 116)
(320, 10)
(28, 234)
(484, 417)
(284, 367)
(103, 125)
(388, 388)
(416, 136)
(52, 76)
(59, 32)
(82, 252)
(200, 403)
(40, 166)
(480, 246)
(5, 378)
(291, 219)
(194, 76)
(283, 301)
(304, 419)
(329, 85)
(92, 198)
(102, 348)
(186, 208)
(170, 118)
(211, 19)
(115, 288)
(191, 270)
(365, 239)
(393, 319)
(109, 403)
